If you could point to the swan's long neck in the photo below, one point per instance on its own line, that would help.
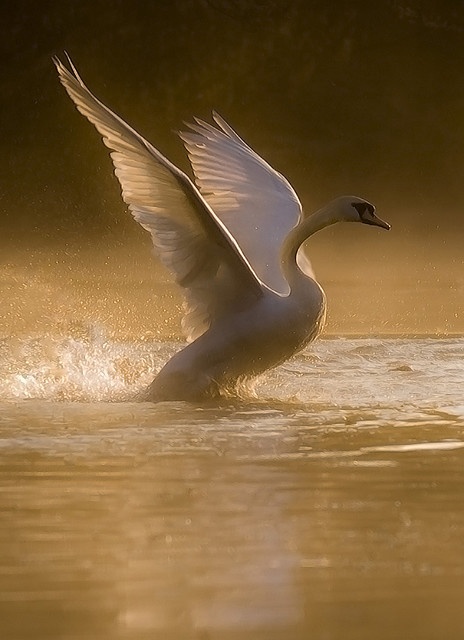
(323, 218)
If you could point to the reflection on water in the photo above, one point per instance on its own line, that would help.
(331, 511)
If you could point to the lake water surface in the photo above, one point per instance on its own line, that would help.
(330, 508)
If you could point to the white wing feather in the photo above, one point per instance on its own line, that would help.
(255, 202)
(189, 239)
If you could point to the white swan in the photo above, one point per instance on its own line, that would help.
(232, 243)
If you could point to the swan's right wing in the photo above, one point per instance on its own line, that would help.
(255, 202)
(188, 237)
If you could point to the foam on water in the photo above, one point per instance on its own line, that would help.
(406, 377)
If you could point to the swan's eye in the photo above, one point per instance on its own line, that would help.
(364, 209)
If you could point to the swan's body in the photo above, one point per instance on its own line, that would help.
(242, 346)
(232, 242)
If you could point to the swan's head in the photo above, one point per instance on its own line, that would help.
(354, 209)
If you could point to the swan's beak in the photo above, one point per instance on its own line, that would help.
(378, 222)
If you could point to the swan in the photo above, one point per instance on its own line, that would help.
(233, 241)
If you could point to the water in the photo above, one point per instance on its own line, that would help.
(330, 508)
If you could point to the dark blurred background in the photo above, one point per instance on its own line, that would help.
(351, 96)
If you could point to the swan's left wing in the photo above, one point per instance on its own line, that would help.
(255, 202)
(188, 238)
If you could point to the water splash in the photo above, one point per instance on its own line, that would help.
(88, 366)
(391, 377)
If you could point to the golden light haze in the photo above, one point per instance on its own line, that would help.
(375, 284)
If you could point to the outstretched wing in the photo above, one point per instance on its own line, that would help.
(255, 202)
(189, 239)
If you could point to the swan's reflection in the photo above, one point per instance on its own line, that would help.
(214, 552)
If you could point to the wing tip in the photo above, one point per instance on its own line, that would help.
(217, 117)
(225, 128)
(64, 73)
